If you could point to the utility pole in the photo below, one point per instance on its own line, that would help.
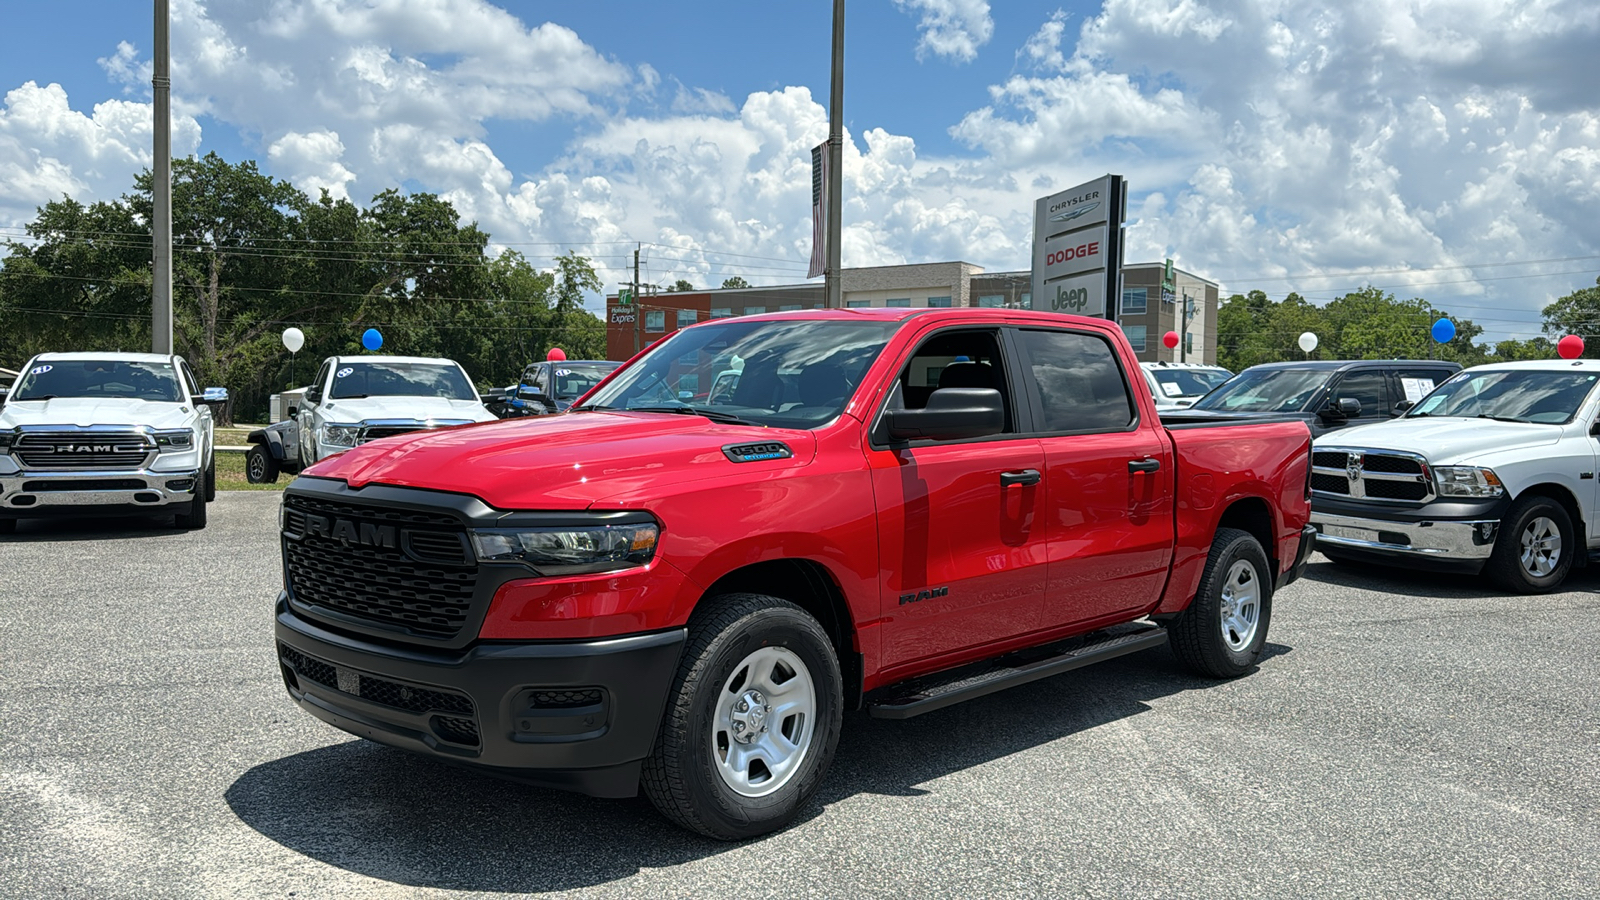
(833, 279)
(161, 191)
(638, 309)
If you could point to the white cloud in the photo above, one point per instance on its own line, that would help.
(954, 29)
(48, 149)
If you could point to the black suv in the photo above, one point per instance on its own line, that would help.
(552, 386)
(1327, 394)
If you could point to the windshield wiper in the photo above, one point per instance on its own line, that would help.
(687, 410)
(1503, 418)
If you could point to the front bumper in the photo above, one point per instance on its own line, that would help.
(1463, 544)
(575, 715)
(69, 493)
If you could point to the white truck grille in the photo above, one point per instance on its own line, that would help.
(64, 451)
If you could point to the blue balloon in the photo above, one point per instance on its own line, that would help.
(1444, 331)
(372, 340)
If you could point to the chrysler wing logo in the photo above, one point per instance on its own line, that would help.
(1076, 212)
(347, 532)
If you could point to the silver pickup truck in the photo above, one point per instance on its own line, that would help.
(94, 433)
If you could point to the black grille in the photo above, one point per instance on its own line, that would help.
(1328, 459)
(1391, 465)
(566, 699)
(382, 691)
(456, 731)
(438, 546)
(380, 583)
(1330, 484)
(374, 432)
(120, 450)
(86, 484)
(1395, 490)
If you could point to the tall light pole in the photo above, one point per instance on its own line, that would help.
(161, 191)
(833, 280)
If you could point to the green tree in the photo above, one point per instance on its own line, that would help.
(680, 285)
(729, 284)
(1576, 313)
(1513, 350)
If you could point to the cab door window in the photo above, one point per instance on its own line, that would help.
(1370, 387)
(1077, 385)
(957, 359)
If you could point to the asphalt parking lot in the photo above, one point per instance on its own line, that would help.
(1409, 735)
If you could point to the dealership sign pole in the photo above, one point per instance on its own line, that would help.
(1077, 248)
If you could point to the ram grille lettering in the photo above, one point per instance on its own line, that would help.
(363, 534)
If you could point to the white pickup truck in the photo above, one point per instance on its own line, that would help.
(356, 399)
(95, 433)
(1492, 472)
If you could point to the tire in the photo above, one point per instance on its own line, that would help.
(1222, 632)
(259, 466)
(8, 526)
(1534, 551)
(746, 649)
(211, 480)
(195, 518)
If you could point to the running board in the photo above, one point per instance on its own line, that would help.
(913, 698)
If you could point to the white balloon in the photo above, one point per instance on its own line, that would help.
(1308, 341)
(294, 339)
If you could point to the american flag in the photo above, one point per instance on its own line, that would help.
(819, 210)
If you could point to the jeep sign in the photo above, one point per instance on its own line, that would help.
(1077, 248)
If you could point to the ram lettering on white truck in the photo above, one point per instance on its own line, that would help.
(1492, 472)
(356, 399)
(96, 433)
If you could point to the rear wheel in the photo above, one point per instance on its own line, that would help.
(752, 719)
(1534, 551)
(1223, 630)
(259, 466)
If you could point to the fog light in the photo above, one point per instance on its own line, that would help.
(181, 484)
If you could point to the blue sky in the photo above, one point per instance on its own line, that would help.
(1441, 149)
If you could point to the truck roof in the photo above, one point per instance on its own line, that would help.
(902, 313)
(433, 360)
(118, 356)
(1336, 364)
(1547, 365)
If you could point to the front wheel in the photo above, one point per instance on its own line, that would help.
(211, 480)
(1534, 551)
(259, 466)
(195, 518)
(1223, 630)
(752, 719)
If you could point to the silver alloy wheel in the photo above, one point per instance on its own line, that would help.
(765, 716)
(1541, 547)
(1241, 606)
(258, 467)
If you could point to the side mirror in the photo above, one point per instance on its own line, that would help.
(294, 412)
(1401, 407)
(216, 393)
(1344, 408)
(951, 414)
(313, 395)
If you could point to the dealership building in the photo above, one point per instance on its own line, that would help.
(1147, 311)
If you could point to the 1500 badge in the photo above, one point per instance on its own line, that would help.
(927, 594)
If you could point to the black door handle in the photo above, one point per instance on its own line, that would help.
(1144, 465)
(1025, 477)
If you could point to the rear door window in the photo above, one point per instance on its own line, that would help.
(1077, 385)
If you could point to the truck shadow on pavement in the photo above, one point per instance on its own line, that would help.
(1418, 583)
(98, 528)
(386, 814)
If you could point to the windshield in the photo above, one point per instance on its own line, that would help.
(787, 374)
(573, 380)
(99, 378)
(1178, 383)
(1520, 396)
(1267, 390)
(399, 379)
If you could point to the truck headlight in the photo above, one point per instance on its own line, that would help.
(175, 441)
(570, 550)
(341, 435)
(1468, 481)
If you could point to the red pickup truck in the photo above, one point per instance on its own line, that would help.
(762, 522)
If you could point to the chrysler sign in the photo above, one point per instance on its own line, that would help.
(1077, 248)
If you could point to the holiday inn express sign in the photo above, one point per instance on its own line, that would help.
(1077, 248)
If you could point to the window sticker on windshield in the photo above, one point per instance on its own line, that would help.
(1171, 390)
(1416, 388)
(563, 372)
(40, 370)
(343, 372)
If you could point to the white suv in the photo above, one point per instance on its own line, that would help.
(1176, 385)
(356, 399)
(89, 433)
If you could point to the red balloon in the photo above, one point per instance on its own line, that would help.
(1170, 339)
(1570, 347)
(556, 354)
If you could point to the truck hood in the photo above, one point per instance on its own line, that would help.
(96, 411)
(420, 408)
(1445, 441)
(568, 461)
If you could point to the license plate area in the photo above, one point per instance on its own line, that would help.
(1343, 531)
(349, 680)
